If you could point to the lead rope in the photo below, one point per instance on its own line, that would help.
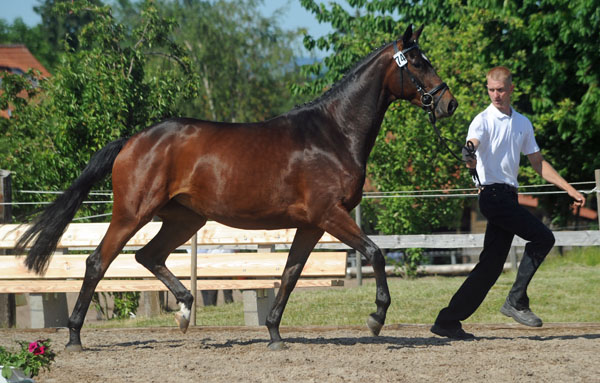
(469, 148)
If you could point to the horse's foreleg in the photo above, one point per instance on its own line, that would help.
(342, 226)
(179, 224)
(304, 242)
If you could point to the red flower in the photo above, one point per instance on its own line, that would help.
(37, 348)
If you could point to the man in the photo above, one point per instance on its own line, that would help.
(500, 134)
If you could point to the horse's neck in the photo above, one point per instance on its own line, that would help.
(359, 107)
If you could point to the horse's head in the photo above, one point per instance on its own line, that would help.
(412, 77)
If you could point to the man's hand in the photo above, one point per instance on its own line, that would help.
(469, 156)
(472, 164)
(577, 196)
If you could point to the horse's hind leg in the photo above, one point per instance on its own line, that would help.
(97, 263)
(304, 241)
(179, 224)
(339, 224)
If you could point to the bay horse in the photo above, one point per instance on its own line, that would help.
(304, 169)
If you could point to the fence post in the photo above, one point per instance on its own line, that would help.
(597, 174)
(194, 277)
(358, 254)
(7, 301)
(258, 302)
(5, 196)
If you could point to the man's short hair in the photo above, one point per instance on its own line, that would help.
(500, 73)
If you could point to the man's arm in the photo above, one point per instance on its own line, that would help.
(544, 169)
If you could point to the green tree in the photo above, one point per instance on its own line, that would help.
(59, 30)
(552, 48)
(407, 155)
(553, 56)
(244, 60)
(100, 91)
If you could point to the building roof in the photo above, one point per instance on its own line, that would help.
(17, 59)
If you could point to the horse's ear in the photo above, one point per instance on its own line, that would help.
(418, 33)
(407, 35)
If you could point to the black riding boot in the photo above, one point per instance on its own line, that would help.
(517, 296)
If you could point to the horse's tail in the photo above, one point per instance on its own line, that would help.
(48, 227)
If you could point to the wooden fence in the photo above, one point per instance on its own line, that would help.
(216, 236)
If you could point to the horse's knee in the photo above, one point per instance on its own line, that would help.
(93, 265)
(375, 257)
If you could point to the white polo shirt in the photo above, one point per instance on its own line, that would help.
(502, 139)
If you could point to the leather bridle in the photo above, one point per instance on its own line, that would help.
(429, 103)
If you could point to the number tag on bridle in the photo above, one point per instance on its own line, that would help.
(400, 59)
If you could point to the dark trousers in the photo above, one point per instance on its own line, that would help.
(499, 204)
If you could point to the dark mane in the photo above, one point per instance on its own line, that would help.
(340, 84)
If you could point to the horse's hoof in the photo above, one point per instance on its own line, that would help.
(374, 325)
(73, 347)
(182, 321)
(277, 346)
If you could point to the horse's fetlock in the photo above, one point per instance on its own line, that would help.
(271, 322)
(187, 299)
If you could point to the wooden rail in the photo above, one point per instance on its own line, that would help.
(244, 270)
(465, 241)
(89, 235)
(256, 273)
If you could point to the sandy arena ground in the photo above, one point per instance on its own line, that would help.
(403, 353)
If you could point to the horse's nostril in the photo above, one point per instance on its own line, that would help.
(452, 105)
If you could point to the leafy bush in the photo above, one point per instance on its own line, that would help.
(31, 358)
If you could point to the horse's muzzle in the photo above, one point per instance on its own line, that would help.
(446, 108)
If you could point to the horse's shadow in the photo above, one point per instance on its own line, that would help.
(397, 342)
(392, 342)
(139, 344)
(210, 343)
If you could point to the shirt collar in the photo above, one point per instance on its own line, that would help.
(498, 114)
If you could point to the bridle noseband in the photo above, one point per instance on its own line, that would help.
(428, 102)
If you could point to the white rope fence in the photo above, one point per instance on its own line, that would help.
(467, 193)
(434, 193)
(438, 193)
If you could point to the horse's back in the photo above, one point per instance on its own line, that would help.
(215, 168)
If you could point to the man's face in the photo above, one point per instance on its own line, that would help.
(499, 92)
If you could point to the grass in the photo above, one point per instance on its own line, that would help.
(565, 289)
